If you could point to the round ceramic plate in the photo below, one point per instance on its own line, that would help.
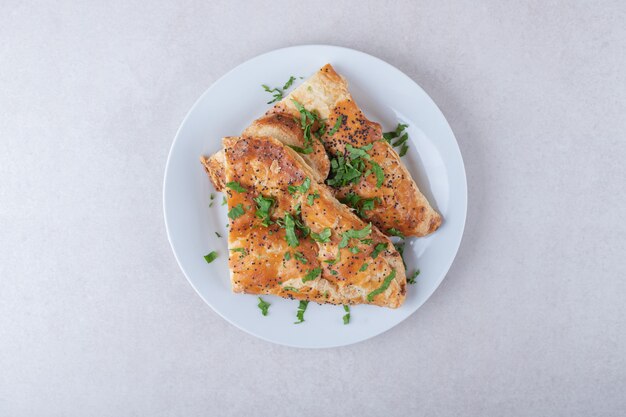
(194, 213)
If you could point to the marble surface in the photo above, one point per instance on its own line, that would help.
(96, 318)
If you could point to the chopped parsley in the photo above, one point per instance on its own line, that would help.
(344, 172)
(346, 317)
(360, 205)
(264, 306)
(337, 125)
(242, 252)
(354, 234)
(403, 137)
(301, 309)
(302, 188)
(395, 232)
(307, 119)
(264, 206)
(323, 236)
(359, 152)
(290, 229)
(298, 256)
(304, 151)
(312, 274)
(287, 256)
(355, 249)
(224, 202)
(302, 227)
(236, 211)
(378, 249)
(383, 287)
(234, 185)
(348, 169)
(401, 141)
(411, 279)
(310, 199)
(276, 92)
(210, 257)
(363, 267)
(289, 288)
(378, 172)
(333, 272)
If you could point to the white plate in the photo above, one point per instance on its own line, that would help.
(387, 96)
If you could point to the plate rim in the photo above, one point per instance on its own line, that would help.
(400, 73)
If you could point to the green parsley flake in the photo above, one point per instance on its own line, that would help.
(298, 256)
(276, 92)
(312, 274)
(344, 171)
(335, 128)
(289, 288)
(311, 198)
(224, 202)
(290, 229)
(389, 136)
(242, 252)
(333, 272)
(264, 306)
(354, 249)
(354, 234)
(236, 211)
(360, 205)
(234, 185)
(378, 249)
(361, 152)
(210, 257)
(395, 232)
(346, 317)
(383, 287)
(323, 236)
(363, 267)
(301, 309)
(302, 188)
(264, 206)
(307, 119)
(401, 141)
(304, 151)
(411, 279)
(378, 172)
(287, 256)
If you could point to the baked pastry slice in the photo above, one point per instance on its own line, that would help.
(290, 237)
(364, 166)
(365, 171)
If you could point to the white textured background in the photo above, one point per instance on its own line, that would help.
(97, 320)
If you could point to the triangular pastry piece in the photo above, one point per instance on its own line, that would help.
(290, 237)
(365, 169)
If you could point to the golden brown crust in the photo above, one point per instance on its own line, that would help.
(214, 167)
(283, 127)
(264, 166)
